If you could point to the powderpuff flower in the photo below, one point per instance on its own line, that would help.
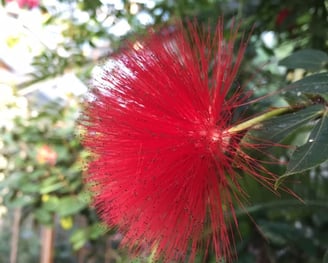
(160, 124)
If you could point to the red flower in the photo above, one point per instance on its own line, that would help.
(159, 124)
(46, 155)
(282, 16)
(26, 3)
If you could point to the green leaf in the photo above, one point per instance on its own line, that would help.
(36, 174)
(43, 216)
(316, 84)
(308, 59)
(312, 153)
(278, 128)
(70, 205)
(51, 188)
(30, 188)
(282, 234)
(97, 230)
(21, 201)
(79, 238)
(325, 257)
(51, 204)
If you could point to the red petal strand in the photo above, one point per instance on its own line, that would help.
(163, 167)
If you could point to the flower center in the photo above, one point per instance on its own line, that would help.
(215, 138)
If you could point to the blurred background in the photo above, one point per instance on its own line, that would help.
(49, 51)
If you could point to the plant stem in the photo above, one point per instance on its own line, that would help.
(256, 120)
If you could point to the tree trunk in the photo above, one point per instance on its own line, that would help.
(15, 235)
(47, 239)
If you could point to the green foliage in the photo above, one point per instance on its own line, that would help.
(312, 86)
(307, 59)
(278, 128)
(43, 173)
(313, 152)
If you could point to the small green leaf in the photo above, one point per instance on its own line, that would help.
(36, 174)
(79, 238)
(51, 188)
(308, 59)
(51, 204)
(316, 84)
(97, 230)
(21, 201)
(43, 216)
(312, 153)
(30, 188)
(70, 205)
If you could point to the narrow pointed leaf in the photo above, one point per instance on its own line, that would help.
(312, 153)
(308, 59)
